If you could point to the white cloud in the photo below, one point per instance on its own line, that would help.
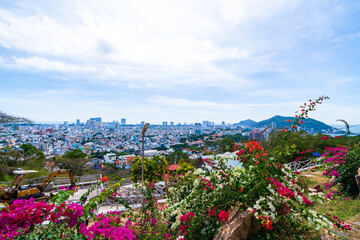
(178, 103)
(136, 40)
(192, 50)
(270, 93)
(44, 64)
(244, 11)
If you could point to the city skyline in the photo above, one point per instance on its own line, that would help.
(184, 61)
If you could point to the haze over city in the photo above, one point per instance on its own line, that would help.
(181, 61)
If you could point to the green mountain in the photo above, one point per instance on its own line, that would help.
(281, 122)
(247, 123)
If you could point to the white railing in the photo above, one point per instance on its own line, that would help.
(299, 166)
(87, 180)
(57, 182)
(132, 195)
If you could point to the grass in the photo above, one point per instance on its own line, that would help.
(347, 209)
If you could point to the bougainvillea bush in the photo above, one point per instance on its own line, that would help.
(341, 165)
(278, 196)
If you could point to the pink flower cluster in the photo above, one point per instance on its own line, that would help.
(68, 214)
(284, 191)
(206, 184)
(68, 189)
(23, 214)
(187, 217)
(287, 192)
(104, 227)
(335, 157)
(337, 222)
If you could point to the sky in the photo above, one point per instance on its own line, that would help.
(181, 61)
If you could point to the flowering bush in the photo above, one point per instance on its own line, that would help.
(341, 166)
(23, 215)
(278, 196)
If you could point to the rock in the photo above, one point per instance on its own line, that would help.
(357, 223)
(340, 234)
(240, 226)
(326, 237)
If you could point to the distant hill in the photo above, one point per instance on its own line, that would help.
(247, 123)
(281, 122)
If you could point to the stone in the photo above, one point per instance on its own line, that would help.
(357, 223)
(326, 237)
(340, 234)
(241, 225)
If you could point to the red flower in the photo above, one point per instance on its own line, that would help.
(104, 179)
(187, 217)
(212, 212)
(307, 201)
(223, 216)
(288, 120)
(301, 122)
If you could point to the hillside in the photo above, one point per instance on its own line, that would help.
(247, 123)
(281, 122)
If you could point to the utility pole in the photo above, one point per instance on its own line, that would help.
(262, 135)
(142, 160)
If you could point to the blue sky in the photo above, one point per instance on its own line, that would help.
(181, 61)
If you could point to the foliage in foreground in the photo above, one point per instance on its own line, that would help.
(341, 166)
(279, 197)
(154, 169)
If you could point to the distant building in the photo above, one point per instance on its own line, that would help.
(197, 130)
(78, 122)
(96, 119)
(123, 121)
(151, 153)
(110, 158)
(171, 123)
(255, 135)
(66, 123)
(223, 123)
(90, 123)
(207, 123)
(142, 123)
(164, 123)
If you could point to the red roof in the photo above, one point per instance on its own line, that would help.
(129, 159)
(173, 167)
